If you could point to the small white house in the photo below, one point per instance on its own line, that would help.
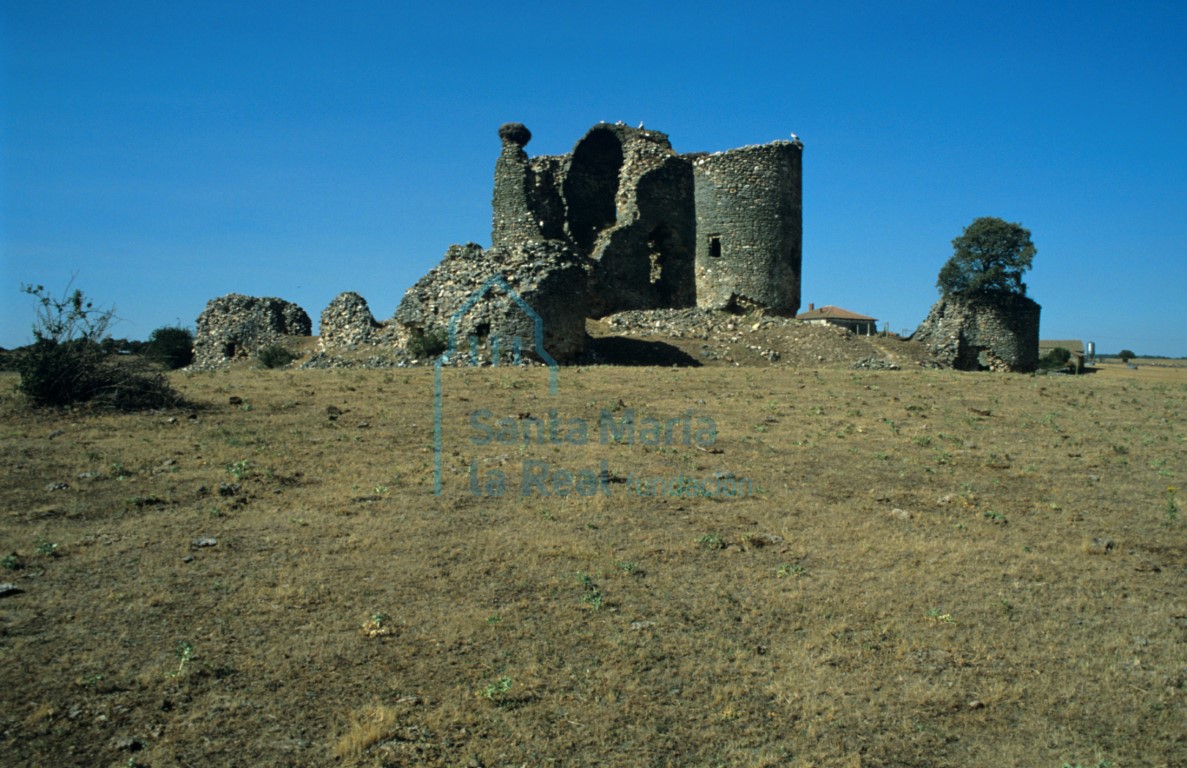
(862, 325)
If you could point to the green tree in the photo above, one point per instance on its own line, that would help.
(172, 346)
(988, 257)
(1126, 355)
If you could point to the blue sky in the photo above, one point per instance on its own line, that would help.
(164, 154)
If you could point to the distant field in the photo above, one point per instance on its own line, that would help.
(857, 568)
(1146, 370)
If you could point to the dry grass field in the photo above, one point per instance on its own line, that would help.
(872, 568)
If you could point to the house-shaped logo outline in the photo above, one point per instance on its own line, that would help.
(495, 281)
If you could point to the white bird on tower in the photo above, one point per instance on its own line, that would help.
(794, 137)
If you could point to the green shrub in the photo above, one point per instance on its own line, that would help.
(1059, 356)
(1055, 360)
(171, 346)
(275, 356)
(425, 344)
(66, 363)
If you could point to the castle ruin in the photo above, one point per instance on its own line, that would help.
(623, 222)
(660, 229)
(648, 227)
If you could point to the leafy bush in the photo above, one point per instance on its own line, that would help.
(275, 356)
(1055, 359)
(171, 346)
(66, 363)
(424, 344)
(1126, 355)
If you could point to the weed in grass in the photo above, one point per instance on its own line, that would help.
(995, 517)
(711, 541)
(494, 619)
(940, 618)
(12, 562)
(379, 625)
(790, 569)
(627, 566)
(185, 654)
(593, 596)
(239, 469)
(497, 691)
(47, 549)
(1172, 505)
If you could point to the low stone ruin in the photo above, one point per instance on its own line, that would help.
(547, 277)
(998, 332)
(346, 322)
(237, 327)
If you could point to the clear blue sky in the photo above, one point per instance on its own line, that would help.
(168, 153)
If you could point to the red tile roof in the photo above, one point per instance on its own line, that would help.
(832, 313)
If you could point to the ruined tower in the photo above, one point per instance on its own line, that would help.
(749, 214)
(719, 231)
(622, 198)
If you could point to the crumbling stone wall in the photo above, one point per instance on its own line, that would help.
(750, 228)
(610, 227)
(622, 198)
(999, 332)
(347, 322)
(547, 276)
(238, 326)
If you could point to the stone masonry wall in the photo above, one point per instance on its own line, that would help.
(750, 228)
(238, 326)
(547, 276)
(643, 258)
(622, 198)
(995, 331)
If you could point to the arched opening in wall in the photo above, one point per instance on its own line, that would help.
(591, 186)
(972, 358)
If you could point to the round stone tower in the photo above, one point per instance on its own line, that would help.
(750, 228)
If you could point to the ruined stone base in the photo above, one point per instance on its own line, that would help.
(238, 327)
(494, 297)
(997, 332)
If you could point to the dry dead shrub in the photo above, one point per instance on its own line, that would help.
(368, 726)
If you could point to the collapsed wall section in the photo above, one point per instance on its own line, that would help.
(972, 332)
(546, 282)
(642, 251)
(749, 225)
(237, 326)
